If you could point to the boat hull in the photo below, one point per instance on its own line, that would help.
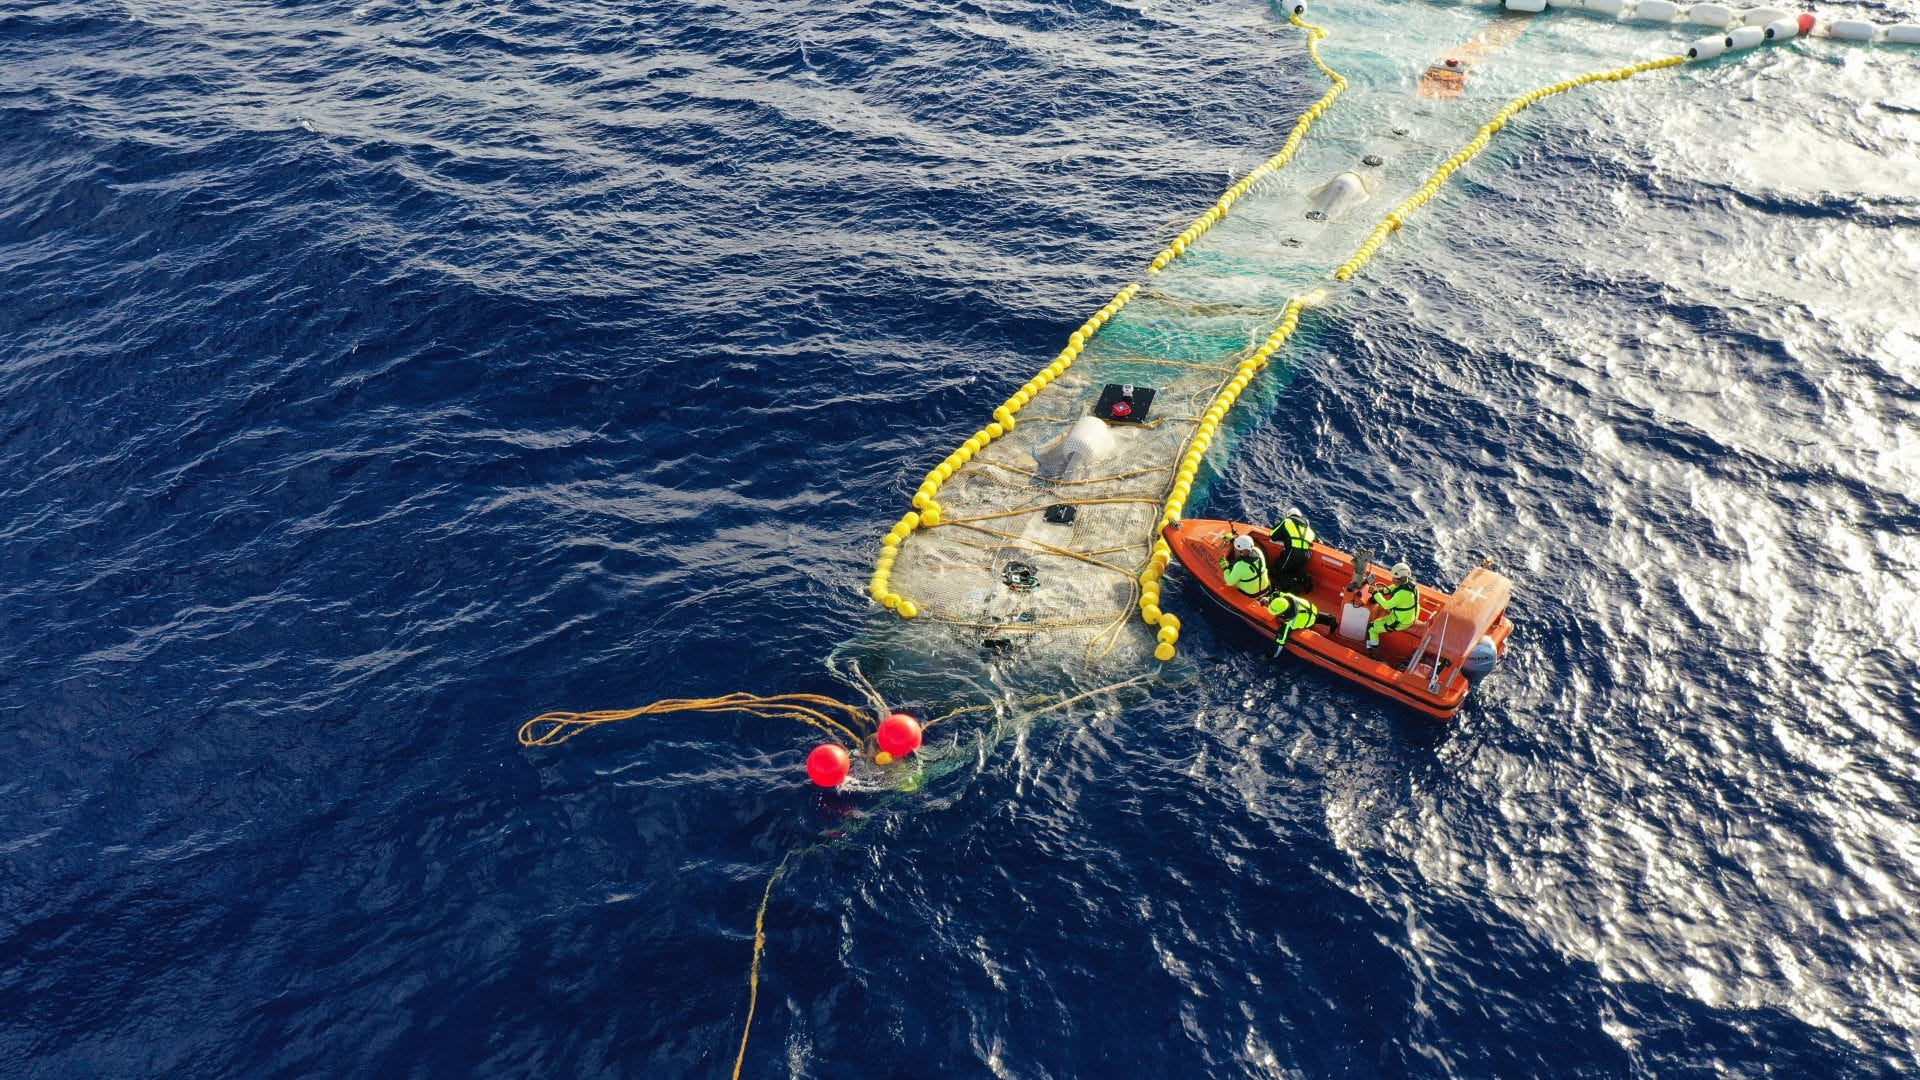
(1199, 544)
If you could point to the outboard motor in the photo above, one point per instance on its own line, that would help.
(1456, 641)
(1482, 658)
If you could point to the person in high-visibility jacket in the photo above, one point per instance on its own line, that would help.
(1295, 538)
(1294, 613)
(1399, 604)
(1246, 568)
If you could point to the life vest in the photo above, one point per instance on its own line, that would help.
(1401, 604)
(1296, 534)
(1247, 572)
(1295, 612)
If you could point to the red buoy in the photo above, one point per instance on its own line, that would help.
(1806, 24)
(1121, 409)
(828, 764)
(899, 734)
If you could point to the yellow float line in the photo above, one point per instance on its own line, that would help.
(926, 511)
(1150, 611)
(1220, 209)
(1426, 191)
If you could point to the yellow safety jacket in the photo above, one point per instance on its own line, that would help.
(1401, 604)
(1248, 573)
(1295, 612)
(1296, 534)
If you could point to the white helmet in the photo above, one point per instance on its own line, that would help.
(1402, 572)
(1243, 542)
(1295, 513)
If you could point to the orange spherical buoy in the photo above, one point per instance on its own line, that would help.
(899, 735)
(828, 764)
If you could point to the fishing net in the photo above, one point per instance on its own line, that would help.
(1028, 556)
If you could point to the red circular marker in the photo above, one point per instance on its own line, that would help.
(899, 735)
(828, 764)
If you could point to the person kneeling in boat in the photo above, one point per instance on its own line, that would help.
(1294, 613)
(1246, 568)
(1295, 538)
(1399, 604)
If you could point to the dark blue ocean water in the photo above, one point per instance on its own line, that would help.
(374, 376)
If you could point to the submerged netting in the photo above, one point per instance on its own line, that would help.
(1022, 550)
(1016, 554)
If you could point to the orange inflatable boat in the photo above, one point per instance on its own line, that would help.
(1425, 667)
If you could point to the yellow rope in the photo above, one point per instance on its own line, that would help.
(1146, 424)
(759, 950)
(1090, 553)
(1063, 502)
(1053, 549)
(554, 728)
(951, 619)
(1068, 483)
(766, 895)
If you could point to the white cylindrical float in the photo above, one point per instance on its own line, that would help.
(1526, 5)
(1746, 37)
(1783, 30)
(1851, 30)
(1904, 34)
(1707, 48)
(1661, 11)
(1710, 15)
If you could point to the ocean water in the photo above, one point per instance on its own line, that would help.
(375, 376)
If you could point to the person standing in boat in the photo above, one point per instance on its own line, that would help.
(1246, 567)
(1295, 538)
(1399, 604)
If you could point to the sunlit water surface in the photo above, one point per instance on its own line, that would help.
(378, 375)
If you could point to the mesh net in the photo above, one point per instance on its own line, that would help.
(997, 566)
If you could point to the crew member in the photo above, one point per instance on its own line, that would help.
(1246, 568)
(1399, 604)
(1294, 613)
(1295, 538)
